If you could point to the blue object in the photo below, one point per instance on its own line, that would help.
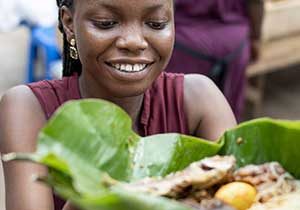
(42, 39)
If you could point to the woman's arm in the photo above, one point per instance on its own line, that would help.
(21, 118)
(209, 114)
(255, 9)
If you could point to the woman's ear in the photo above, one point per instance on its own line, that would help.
(67, 21)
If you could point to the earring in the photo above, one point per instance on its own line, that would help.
(73, 50)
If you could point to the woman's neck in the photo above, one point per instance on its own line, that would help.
(132, 105)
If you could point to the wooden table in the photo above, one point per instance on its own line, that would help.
(276, 55)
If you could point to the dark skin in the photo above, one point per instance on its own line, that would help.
(137, 35)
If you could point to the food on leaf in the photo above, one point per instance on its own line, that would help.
(270, 180)
(199, 175)
(237, 194)
(207, 204)
(92, 153)
(289, 201)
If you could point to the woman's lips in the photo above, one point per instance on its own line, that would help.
(128, 71)
(129, 68)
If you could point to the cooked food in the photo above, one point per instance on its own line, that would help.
(270, 180)
(289, 201)
(199, 175)
(214, 184)
(238, 194)
(207, 204)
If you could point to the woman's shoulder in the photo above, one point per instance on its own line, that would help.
(208, 112)
(20, 116)
(19, 99)
(197, 93)
(199, 85)
(200, 92)
(20, 95)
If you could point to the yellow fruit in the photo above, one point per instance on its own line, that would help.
(239, 195)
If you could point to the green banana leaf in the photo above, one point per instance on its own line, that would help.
(265, 140)
(90, 149)
(87, 141)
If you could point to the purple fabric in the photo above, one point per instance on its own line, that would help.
(215, 28)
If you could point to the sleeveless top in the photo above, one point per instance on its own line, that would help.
(162, 110)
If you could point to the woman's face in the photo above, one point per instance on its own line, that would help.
(123, 45)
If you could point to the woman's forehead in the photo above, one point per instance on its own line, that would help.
(137, 4)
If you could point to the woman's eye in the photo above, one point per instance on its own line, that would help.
(106, 24)
(157, 25)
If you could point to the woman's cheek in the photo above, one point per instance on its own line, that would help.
(164, 44)
(92, 42)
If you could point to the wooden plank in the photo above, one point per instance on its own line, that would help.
(281, 19)
(277, 54)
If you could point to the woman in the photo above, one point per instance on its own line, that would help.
(217, 38)
(117, 51)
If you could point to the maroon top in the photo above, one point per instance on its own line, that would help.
(162, 111)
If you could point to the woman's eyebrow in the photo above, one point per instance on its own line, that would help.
(118, 9)
(108, 6)
(154, 7)
(158, 7)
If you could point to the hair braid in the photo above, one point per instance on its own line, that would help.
(70, 65)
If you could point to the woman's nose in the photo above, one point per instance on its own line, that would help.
(132, 39)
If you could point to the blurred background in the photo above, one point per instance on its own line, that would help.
(31, 50)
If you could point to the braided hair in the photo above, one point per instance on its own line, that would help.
(70, 66)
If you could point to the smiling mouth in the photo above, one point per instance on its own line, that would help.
(128, 68)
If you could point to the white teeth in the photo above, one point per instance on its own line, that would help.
(123, 67)
(136, 67)
(129, 67)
